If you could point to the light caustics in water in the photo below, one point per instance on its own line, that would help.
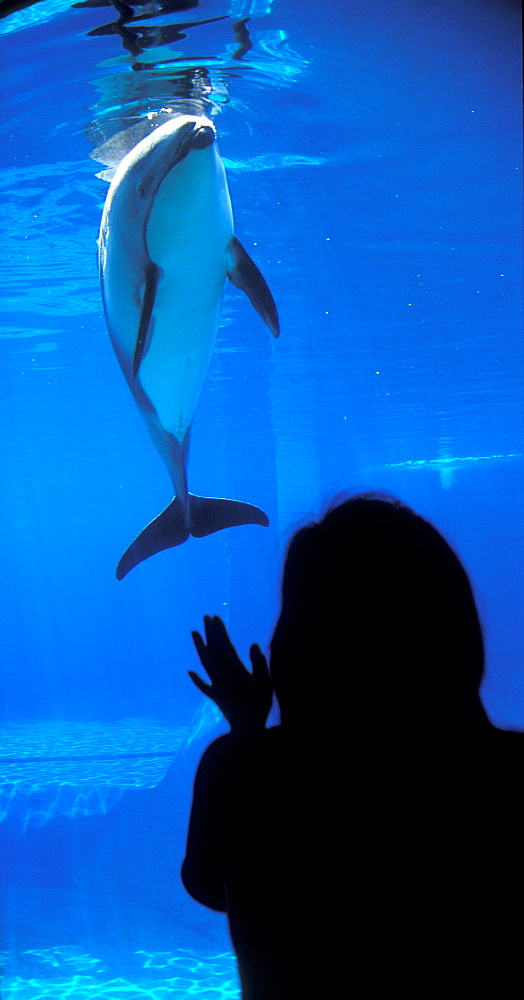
(249, 8)
(30, 16)
(40, 12)
(69, 972)
(84, 769)
(271, 61)
(436, 463)
(273, 161)
(447, 465)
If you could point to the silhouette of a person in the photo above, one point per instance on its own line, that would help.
(350, 845)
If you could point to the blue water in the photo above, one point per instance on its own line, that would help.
(373, 151)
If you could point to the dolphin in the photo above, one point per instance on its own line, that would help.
(165, 250)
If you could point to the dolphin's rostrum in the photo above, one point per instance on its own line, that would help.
(166, 247)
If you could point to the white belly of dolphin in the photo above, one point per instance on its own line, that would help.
(188, 232)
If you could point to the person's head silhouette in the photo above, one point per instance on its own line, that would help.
(376, 606)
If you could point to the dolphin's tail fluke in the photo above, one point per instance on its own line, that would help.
(202, 516)
(168, 529)
(208, 514)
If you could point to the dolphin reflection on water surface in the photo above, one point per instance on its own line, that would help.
(166, 248)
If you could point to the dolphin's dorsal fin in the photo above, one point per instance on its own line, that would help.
(148, 301)
(244, 273)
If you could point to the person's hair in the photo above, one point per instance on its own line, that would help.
(374, 599)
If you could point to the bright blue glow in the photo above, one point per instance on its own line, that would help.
(374, 158)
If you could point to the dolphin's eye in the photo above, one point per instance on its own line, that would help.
(142, 189)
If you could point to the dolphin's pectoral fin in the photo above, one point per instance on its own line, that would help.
(244, 273)
(152, 273)
(209, 514)
(170, 528)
